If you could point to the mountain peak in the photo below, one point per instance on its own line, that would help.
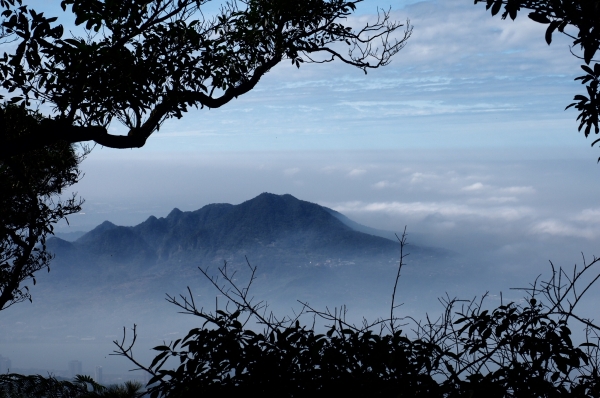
(94, 233)
(271, 197)
(105, 226)
(174, 213)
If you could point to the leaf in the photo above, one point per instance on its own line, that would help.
(539, 18)
(587, 69)
(496, 7)
(158, 358)
(550, 30)
(588, 53)
(512, 8)
(154, 379)
(587, 132)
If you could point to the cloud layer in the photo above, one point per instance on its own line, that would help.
(467, 191)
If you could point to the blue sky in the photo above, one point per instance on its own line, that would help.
(465, 79)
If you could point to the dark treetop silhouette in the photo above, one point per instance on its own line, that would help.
(30, 188)
(142, 62)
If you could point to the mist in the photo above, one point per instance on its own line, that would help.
(503, 214)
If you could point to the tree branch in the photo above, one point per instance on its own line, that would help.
(52, 131)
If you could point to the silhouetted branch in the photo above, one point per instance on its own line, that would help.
(403, 243)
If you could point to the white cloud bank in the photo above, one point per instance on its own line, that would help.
(446, 209)
(560, 228)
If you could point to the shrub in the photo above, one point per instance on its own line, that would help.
(514, 350)
(20, 386)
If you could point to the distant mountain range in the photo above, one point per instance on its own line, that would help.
(300, 249)
(113, 276)
(281, 227)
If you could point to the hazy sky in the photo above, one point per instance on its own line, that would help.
(467, 123)
(465, 79)
(463, 138)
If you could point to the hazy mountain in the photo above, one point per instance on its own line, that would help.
(279, 226)
(70, 236)
(298, 247)
(115, 276)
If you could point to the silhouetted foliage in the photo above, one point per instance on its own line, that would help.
(142, 62)
(514, 350)
(36, 386)
(560, 15)
(31, 185)
(129, 389)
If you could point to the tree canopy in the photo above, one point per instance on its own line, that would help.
(564, 16)
(31, 185)
(142, 62)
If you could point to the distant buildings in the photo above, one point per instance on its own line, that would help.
(98, 375)
(74, 368)
(5, 365)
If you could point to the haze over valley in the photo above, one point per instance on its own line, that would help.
(302, 251)
(461, 241)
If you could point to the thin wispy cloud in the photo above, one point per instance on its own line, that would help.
(591, 216)
(561, 228)
(474, 187)
(384, 184)
(422, 107)
(447, 209)
(291, 171)
(493, 200)
(518, 190)
(418, 177)
(357, 172)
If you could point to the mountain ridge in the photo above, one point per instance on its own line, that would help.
(266, 221)
(297, 250)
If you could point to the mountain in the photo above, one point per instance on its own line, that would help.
(280, 226)
(115, 276)
(70, 236)
(300, 249)
(362, 228)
